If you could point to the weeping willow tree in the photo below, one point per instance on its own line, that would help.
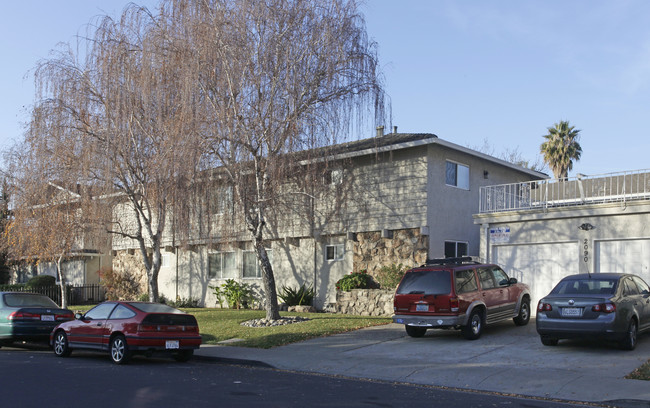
(277, 82)
(113, 119)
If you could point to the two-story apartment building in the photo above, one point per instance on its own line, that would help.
(544, 230)
(409, 197)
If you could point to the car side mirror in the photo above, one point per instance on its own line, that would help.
(512, 281)
(78, 316)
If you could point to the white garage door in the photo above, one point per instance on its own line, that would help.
(540, 266)
(625, 256)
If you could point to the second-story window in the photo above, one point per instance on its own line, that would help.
(457, 175)
(220, 200)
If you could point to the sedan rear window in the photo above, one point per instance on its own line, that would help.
(586, 287)
(28, 300)
(425, 282)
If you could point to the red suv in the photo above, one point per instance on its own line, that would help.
(457, 293)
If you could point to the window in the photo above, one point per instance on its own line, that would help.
(457, 175)
(100, 312)
(252, 267)
(165, 261)
(335, 252)
(220, 199)
(122, 312)
(455, 249)
(487, 281)
(222, 265)
(334, 177)
(466, 281)
(500, 277)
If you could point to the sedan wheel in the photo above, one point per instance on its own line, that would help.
(629, 342)
(61, 348)
(120, 350)
(549, 341)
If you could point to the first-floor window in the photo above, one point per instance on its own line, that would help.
(222, 265)
(165, 261)
(455, 249)
(252, 267)
(335, 252)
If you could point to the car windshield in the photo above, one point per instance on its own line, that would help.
(425, 282)
(587, 286)
(28, 300)
(154, 307)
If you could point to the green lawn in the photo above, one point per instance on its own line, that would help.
(218, 325)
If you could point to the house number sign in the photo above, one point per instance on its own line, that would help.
(585, 247)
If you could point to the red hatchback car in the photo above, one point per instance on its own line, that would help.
(127, 328)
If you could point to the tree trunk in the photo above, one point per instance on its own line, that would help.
(268, 280)
(62, 281)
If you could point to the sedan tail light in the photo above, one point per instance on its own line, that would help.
(18, 315)
(167, 328)
(604, 308)
(544, 307)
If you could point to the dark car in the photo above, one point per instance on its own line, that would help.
(127, 328)
(458, 293)
(610, 306)
(28, 317)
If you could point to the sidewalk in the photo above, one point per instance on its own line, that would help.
(506, 359)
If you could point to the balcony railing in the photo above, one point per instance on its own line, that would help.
(573, 191)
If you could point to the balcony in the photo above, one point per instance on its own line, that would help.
(574, 191)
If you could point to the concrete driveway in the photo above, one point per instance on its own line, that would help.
(506, 359)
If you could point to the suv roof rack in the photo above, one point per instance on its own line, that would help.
(451, 261)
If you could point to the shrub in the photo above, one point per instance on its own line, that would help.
(296, 297)
(237, 294)
(41, 281)
(389, 277)
(119, 285)
(182, 302)
(355, 280)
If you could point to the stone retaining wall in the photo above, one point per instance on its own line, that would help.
(365, 302)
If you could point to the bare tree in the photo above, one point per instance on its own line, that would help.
(274, 78)
(46, 224)
(118, 124)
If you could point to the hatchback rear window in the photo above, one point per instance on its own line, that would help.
(154, 307)
(425, 282)
(586, 287)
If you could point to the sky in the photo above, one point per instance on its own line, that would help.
(483, 74)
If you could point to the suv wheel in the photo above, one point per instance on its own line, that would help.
(474, 327)
(524, 313)
(415, 331)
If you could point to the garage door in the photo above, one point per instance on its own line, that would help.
(626, 256)
(540, 266)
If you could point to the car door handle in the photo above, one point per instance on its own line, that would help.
(99, 324)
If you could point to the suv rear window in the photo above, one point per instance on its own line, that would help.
(425, 282)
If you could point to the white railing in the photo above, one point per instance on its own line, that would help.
(580, 190)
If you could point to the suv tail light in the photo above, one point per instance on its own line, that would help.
(604, 308)
(454, 304)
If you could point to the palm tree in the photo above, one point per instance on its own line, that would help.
(561, 148)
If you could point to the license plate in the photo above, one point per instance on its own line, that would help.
(421, 308)
(571, 312)
(171, 344)
(47, 318)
